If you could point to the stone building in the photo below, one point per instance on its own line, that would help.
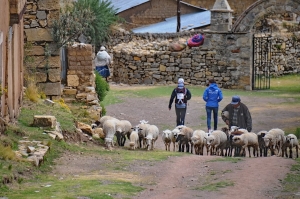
(45, 65)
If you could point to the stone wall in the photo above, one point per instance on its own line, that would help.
(81, 80)
(38, 19)
(146, 58)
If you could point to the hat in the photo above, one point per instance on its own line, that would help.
(102, 48)
(235, 100)
(211, 80)
(180, 80)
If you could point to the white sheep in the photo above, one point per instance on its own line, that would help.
(109, 129)
(247, 140)
(143, 133)
(134, 140)
(216, 140)
(274, 140)
(198, 141)
(151, 136)
(290, 142)
(166, 137)
(103, 119)
(123, 128)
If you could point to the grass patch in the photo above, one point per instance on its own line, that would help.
(292, 180)
(282, 87)
(226, 159)
(216, 186)
(74, 187)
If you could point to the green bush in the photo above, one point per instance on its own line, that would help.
(102, 87)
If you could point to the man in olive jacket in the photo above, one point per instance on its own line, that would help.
(238, 114)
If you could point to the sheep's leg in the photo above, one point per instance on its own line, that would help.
(297, 151)
(248, 152)
(187, 146)
(291, 153)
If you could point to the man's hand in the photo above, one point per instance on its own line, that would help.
(227, 122)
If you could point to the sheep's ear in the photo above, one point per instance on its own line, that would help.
(205, 138)
(292, 138)
(263, 134)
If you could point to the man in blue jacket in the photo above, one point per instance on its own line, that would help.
(212, 96)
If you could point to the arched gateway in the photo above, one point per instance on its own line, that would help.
(255, 20)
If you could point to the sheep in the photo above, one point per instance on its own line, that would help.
(103, 119)
(247, 140)
(142, 134)
(166, 137)
(151, 136)
(197, 140)
(123, 127)
(274, 139)
(261, 143)
(237, 148)
(216, 140)
(184, 138)
(290, 141)
(134, 139)
(109, 129)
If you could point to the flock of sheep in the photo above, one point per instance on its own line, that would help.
(224, 142)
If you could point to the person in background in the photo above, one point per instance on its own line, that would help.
(181, 96)
(102, 61)
(237, 114)
(212, 96)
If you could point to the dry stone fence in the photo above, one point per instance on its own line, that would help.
(226, 55)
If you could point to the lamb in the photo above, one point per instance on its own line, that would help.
(197, 140)
(247, 140)
(261, 143)
(151, 137)
(103, 119)
(123, 127)
(109, 129)
(184, 138)
(216, 140)
(134, 139)
(290, 141)
(166, 137)
(237, 148)
(142, 134)
(274, 139)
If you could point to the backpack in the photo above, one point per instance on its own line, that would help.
(181, 97)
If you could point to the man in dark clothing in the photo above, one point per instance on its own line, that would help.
(238, 114)
(181, 95)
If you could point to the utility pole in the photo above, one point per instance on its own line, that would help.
(178, 16)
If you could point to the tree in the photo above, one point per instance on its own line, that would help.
(92, 18)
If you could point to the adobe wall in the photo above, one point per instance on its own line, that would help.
(11, 59)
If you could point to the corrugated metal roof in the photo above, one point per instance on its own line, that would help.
(122, 5)
(188, 21)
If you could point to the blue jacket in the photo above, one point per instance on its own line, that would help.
(212, 95)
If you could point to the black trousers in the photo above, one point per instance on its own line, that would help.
(180, 115)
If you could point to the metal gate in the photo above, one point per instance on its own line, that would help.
(262, 47)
